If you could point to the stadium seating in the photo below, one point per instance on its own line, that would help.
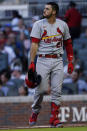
(82, 54)
(3, 61)
(1, 93)
(69, 88)
(12, 92)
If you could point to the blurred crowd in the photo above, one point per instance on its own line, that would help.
(14, 56)
(14, 60)
(76, 83)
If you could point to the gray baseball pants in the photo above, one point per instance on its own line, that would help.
(48, 68)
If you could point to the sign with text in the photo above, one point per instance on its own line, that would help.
(75, 114)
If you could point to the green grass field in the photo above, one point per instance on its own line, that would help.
(51, 129)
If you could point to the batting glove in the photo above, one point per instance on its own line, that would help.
(70, 67)
(32, 67)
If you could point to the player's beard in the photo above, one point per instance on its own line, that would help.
(47, 16)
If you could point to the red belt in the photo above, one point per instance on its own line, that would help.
(50, 55)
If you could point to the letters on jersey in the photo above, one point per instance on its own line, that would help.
(51, 36)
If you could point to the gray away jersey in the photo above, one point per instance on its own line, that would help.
(51, 36)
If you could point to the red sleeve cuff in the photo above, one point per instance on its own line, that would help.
(36, 40)
(67, 41)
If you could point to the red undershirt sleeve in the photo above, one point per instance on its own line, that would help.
(35, 40)
(69, 49)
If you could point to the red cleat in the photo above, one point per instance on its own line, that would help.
(33, 119)
(54, 120)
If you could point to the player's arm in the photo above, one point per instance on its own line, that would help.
(69, 51)
(69, 48)
(29, 79)
(33, 50)
(35, 38)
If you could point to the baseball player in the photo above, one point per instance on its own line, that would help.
(48, 36)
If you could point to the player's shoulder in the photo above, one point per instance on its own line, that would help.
(40, 21)
(61, 21)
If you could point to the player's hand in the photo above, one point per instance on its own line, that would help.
(32, 66)
(70, 67)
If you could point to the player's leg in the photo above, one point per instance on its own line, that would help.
(35, 109)
(56, 86)
(43, 70)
